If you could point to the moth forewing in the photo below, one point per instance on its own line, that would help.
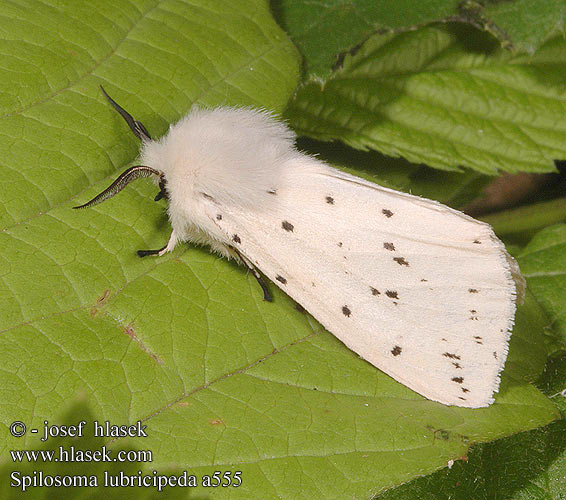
(421, 291)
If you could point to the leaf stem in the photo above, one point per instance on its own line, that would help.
(528, 218)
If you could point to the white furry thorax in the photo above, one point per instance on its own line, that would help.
(232, 156)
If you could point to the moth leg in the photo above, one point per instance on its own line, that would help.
(266, 295)
(135, 126)
(162, 190)
(144, 253)
(162, 251)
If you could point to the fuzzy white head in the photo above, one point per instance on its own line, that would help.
(227, 156)
(421, 291)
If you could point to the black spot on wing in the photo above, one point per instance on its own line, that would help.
(451, 355)
(281, 279)
(396, 350)
(346, 311)
(236, 238)
(330, 200)
(388, 213)
(401, 261)
(287, 226)
(389, 246)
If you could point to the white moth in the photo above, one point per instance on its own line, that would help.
(423, 292)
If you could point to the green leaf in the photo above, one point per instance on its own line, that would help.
(526, 24)
(543, 263)
(528, 466)
(445, 96)
(185, 343)
(323, 30)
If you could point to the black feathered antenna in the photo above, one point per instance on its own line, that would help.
(136, 127)
(120, 183)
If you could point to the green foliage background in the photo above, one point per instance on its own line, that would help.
(222, 380)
